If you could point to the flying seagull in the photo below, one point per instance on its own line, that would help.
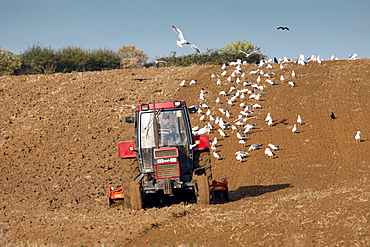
(247, 54)
(283, 28)
(156, 61)
(182, 40)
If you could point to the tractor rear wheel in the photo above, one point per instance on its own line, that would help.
(132, 189)
(203, 190)
(133, 197)
(203, 159)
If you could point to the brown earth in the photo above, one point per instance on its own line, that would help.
(59, 136)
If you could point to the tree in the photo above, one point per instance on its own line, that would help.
(9, 62)
(131, 57)
(237, 46)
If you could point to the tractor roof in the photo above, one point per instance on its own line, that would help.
(161, 105)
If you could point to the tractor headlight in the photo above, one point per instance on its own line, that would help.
(145, 107)
(177, 103)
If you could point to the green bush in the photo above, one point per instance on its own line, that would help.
(38, 60)
(71, 59)
(103, 60)
(9, 62)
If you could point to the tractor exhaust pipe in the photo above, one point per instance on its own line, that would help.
(155, 127)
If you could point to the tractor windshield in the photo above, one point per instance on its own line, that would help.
(171, 128)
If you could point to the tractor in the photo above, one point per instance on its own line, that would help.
(166, 160)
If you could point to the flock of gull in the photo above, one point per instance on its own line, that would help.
(238, 101)
(245, 98)
(247, 95)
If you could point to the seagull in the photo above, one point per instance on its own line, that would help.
(358, 137)
(222, 133)
(352, 57)
(247, 54)
(293, 73)
(269, 122)
(259, 79)
(292, 83)
(216, 155)
(294, 129)
(269, 66)
(214, 142)
(182, 83)
(256, 105)
(243, 141)
(254, 71)
(240, 136)
(203, 105)
(242, 153)
(192, 82)
(182, 40)
(254, 147)
(274, 147)
(272, 82)
(268, 117)
(269, 153)
(299, 120)
(240, 158)
(201, 96)
(156, 61)
(283, 28)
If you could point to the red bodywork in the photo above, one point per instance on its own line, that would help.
(115, 194)
(203, 142)
(218, 186)
(126, 149)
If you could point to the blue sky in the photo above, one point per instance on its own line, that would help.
(319, 27)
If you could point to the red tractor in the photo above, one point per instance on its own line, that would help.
(165, 160)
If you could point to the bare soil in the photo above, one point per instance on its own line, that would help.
(59, 136)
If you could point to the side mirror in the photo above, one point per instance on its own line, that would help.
(129, 120)
(192, 109)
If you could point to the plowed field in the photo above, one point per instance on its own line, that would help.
(58, 144)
